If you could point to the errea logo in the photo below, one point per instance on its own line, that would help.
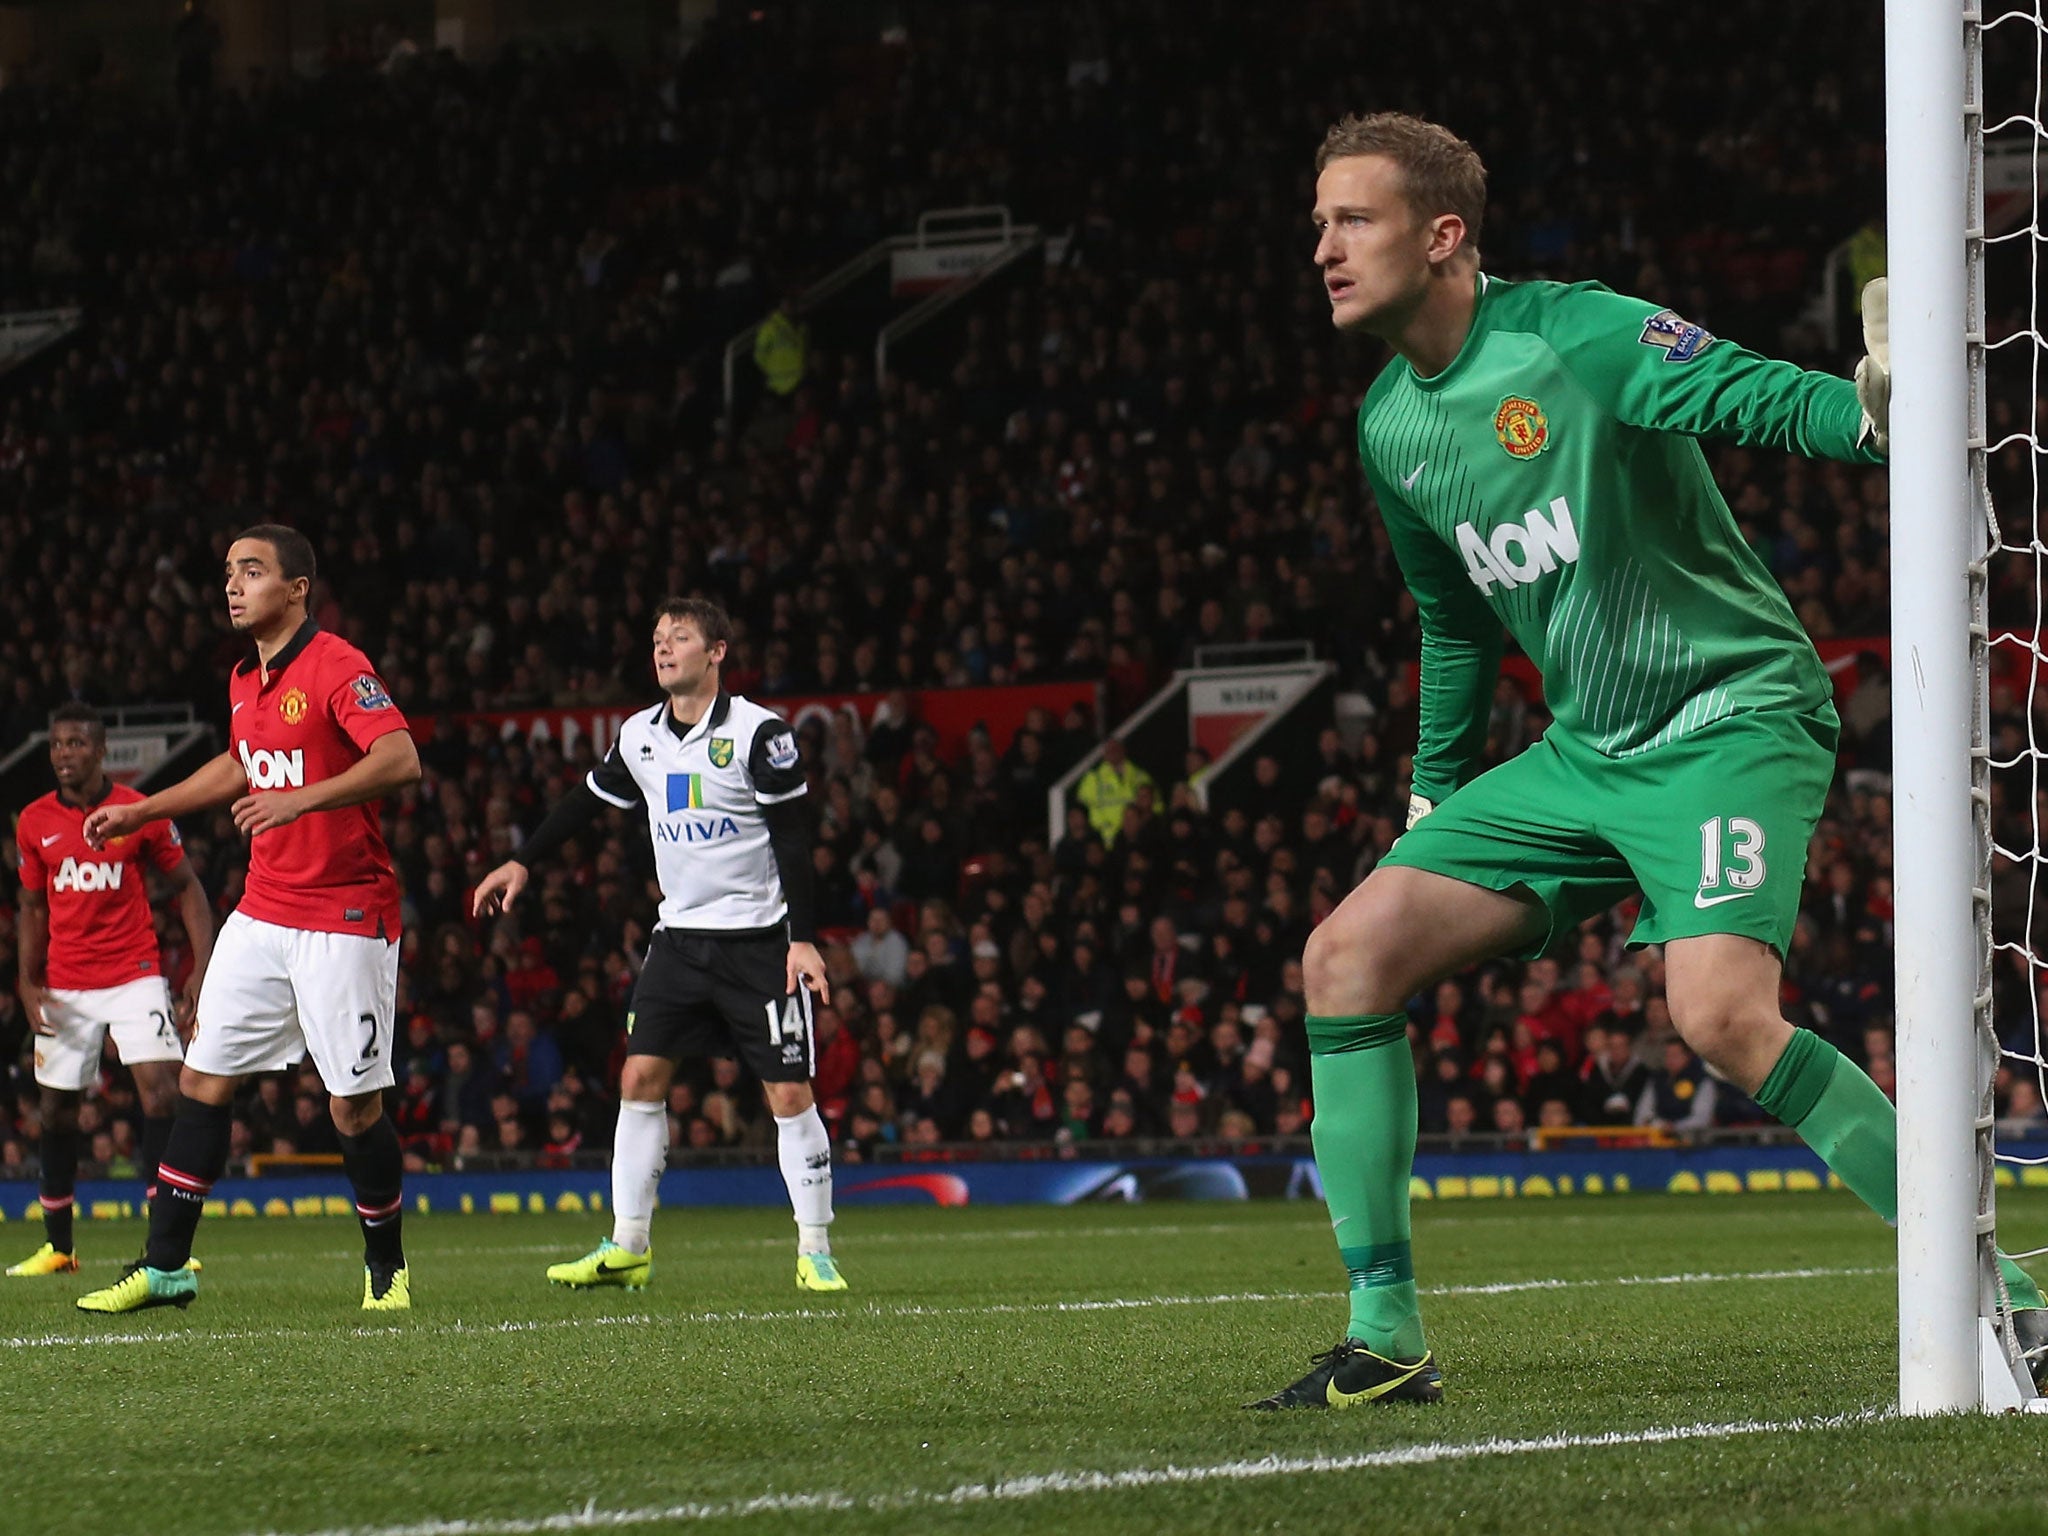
(86, 875)
(1518, 553)
(269, 768)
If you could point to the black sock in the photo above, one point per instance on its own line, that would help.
(156, 1135)
(195, 1154)
(376, 1167)
(60, 1180)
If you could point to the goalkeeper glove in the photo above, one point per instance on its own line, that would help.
(1417, 809)
(1874, 373)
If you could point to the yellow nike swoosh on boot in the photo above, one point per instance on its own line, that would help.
(1340, 1399)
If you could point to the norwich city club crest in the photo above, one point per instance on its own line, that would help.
(721, 751)
(1522, 427)
(292, 707)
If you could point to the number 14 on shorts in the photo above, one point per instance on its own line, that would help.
(1731, 860)
(789, 1027)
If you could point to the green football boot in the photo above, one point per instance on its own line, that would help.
(141, 1287)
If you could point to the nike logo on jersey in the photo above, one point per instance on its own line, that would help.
(238, 706)
(1408, 480)
(360, 1068)
(1703, 901)
(51, 838)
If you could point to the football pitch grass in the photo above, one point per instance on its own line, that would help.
(1076, 1370)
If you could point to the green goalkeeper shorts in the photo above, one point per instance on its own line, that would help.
(1712, 829)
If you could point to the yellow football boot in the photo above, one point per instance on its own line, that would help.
(606, 1264)
(45, 1261)
(386, 1290)
(143, 1287)
(817, 1272)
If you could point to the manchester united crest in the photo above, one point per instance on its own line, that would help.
(292, 707)
(1522, 427)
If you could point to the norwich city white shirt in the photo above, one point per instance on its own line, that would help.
(703, 790)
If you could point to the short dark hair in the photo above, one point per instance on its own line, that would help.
(710, 620)
(294, 549)
(76, 712)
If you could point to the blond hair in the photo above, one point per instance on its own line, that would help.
(1440, 172)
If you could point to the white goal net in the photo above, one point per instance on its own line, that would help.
(2006, 87)
(1964, 94)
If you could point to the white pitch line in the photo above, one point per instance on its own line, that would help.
(865, 1240)
(1513, 1287)
(871, 1313)
(1039, 1484)
(645, 1319)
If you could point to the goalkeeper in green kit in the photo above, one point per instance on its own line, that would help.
(1532, 449)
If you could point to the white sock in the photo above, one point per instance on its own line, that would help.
(805, 1152)
(639, 1154)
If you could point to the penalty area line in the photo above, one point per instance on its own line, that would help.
(456, 1328)
(1040, 1484)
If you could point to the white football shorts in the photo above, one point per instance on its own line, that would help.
(274, 996)
(138, 1015)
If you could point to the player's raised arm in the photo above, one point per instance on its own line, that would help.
(1461, 649)
(1654, 369)
(216, 782)
(609, 784)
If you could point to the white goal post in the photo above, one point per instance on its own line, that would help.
(1954, 1351)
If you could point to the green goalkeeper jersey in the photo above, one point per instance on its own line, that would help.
(1548, 481)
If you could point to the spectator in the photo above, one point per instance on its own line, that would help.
(529, 1063)
(1679, 1096)
(1111, 787)
(837, 1057)
(1550, 1082)
(880, 951)
(1023, 1104)
(1102, 476)
(1615, 1080)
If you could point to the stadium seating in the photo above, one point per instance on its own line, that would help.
(482, 377)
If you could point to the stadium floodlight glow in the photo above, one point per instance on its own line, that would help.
(1951, 1356)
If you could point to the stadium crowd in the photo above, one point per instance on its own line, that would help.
(462, 325)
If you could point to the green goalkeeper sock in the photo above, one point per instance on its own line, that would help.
(1364, 1130)
(1840, 1113)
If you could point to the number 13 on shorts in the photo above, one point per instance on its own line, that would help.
(1732, 855)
